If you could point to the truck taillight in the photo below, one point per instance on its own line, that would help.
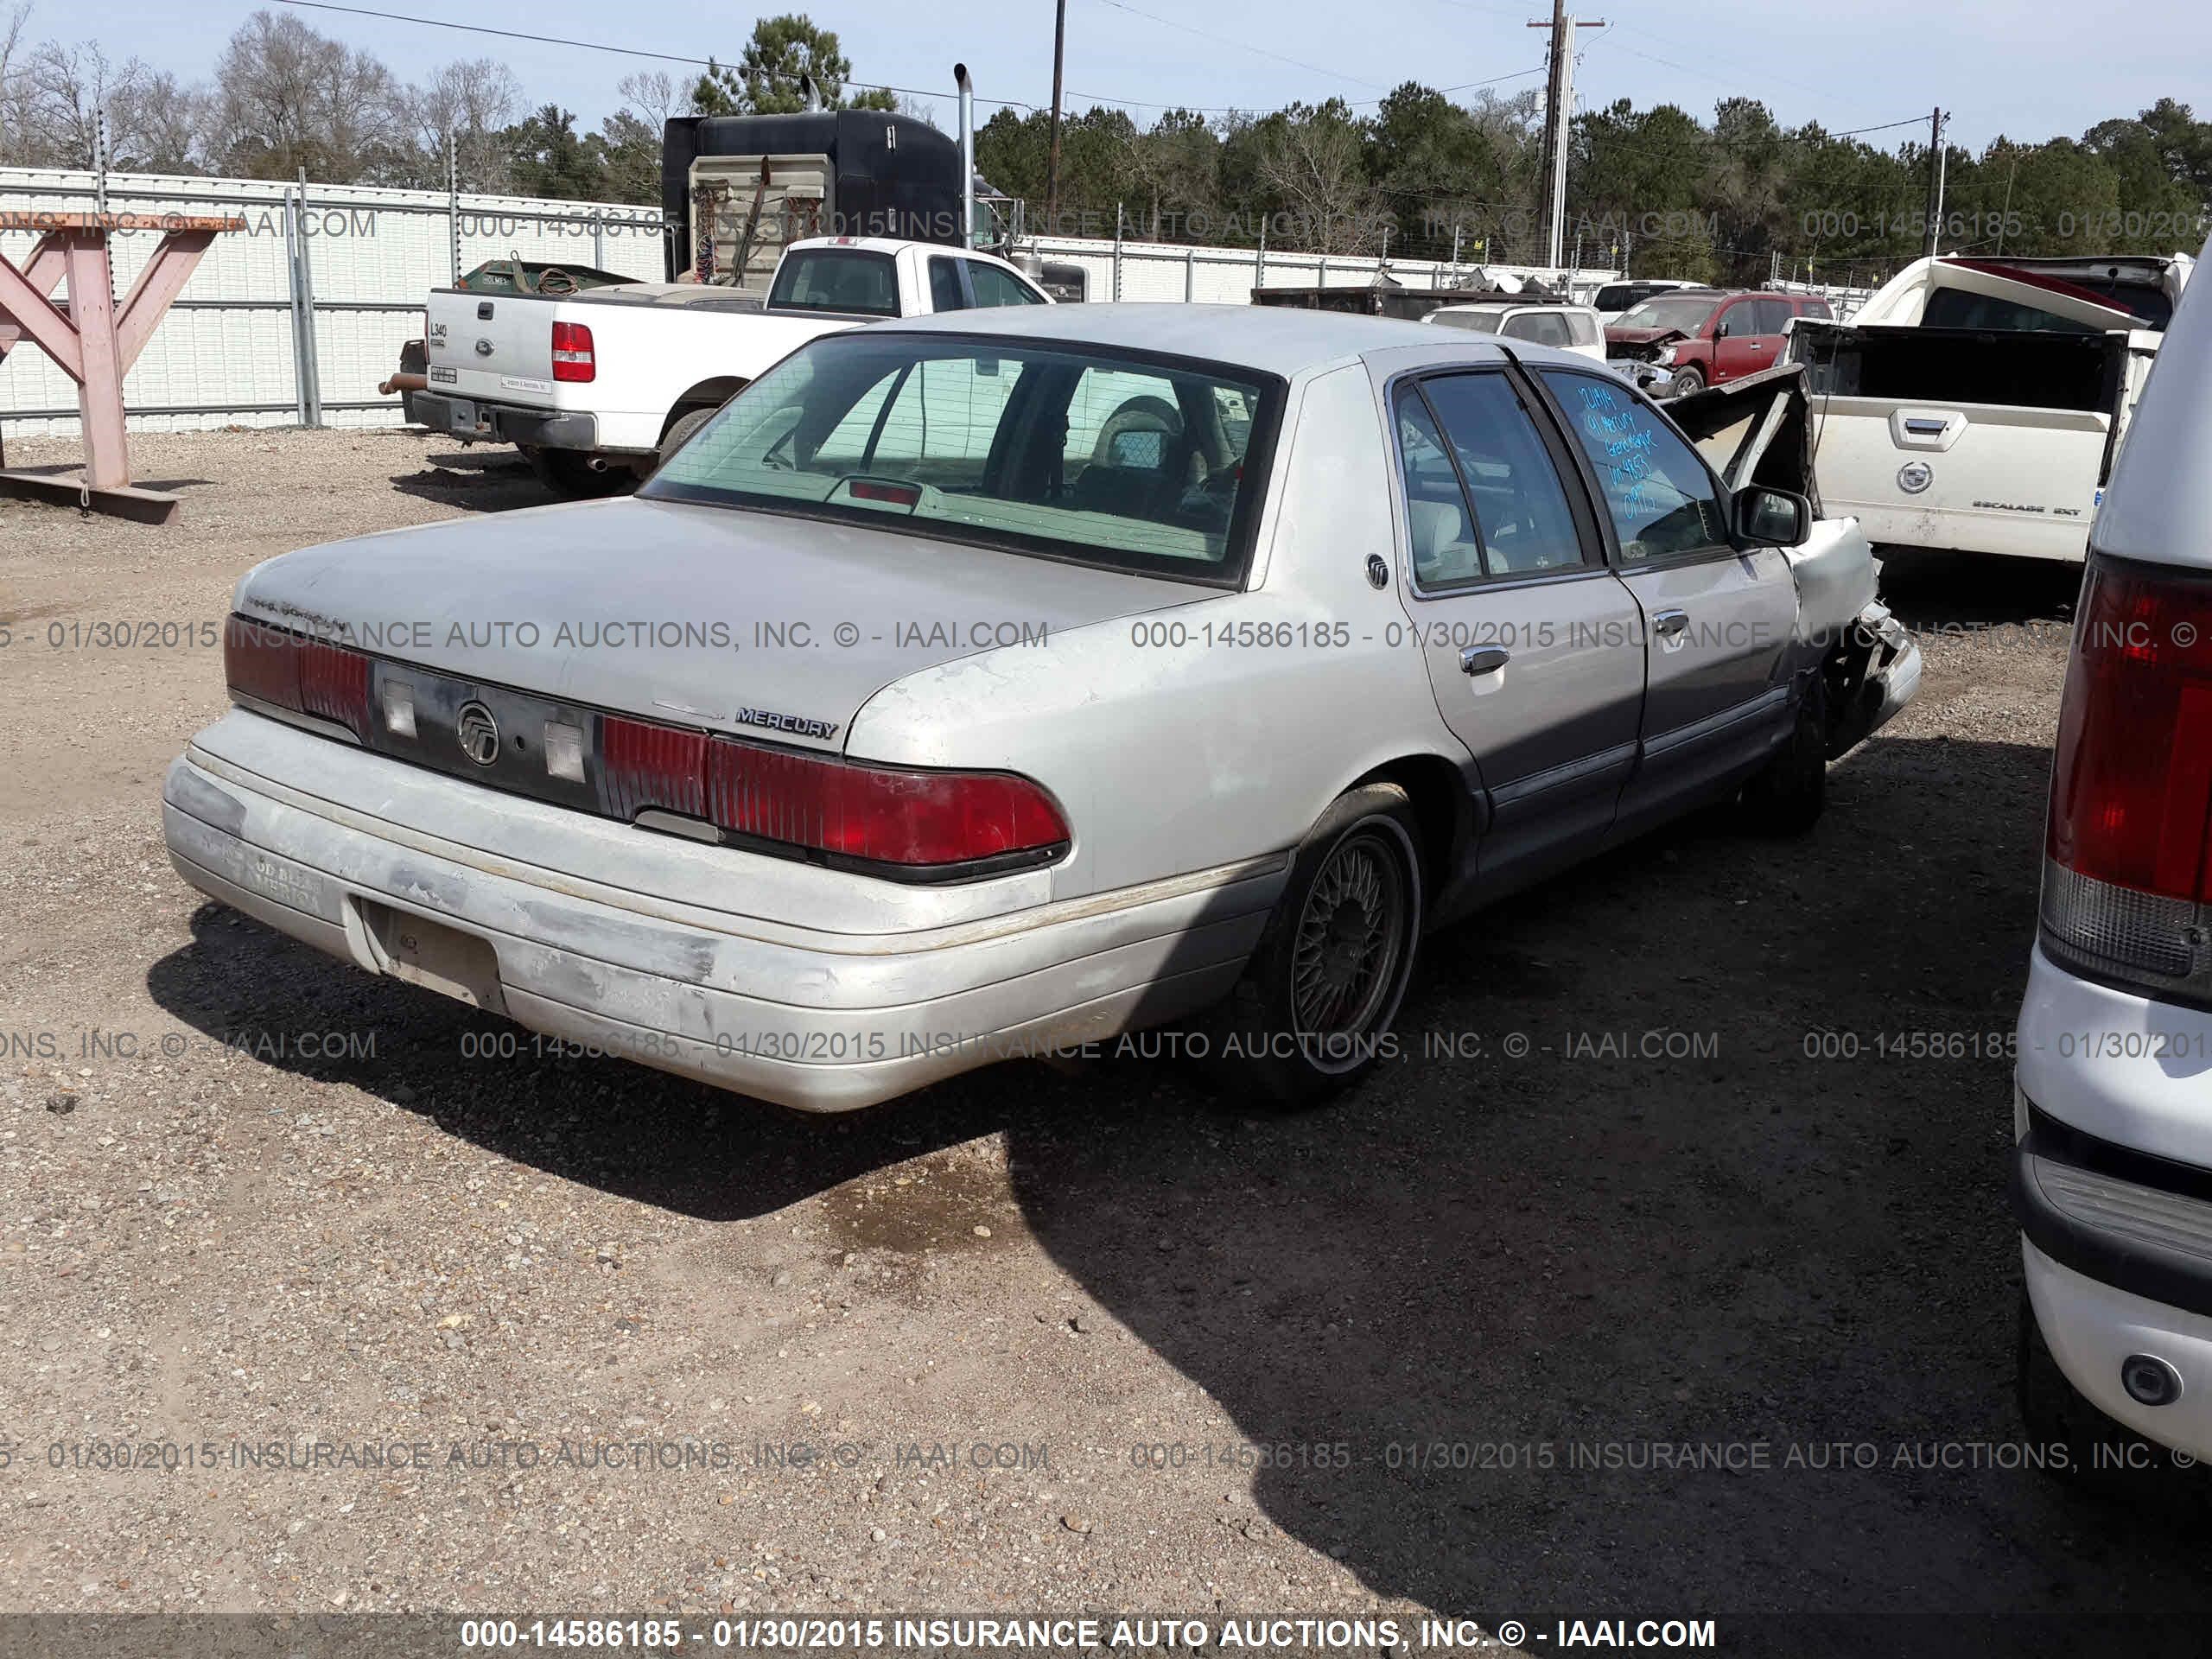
(287, 671)
(572, 352)
(878, 815)
(2128, 878)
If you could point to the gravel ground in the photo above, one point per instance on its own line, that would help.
(1408, 1356)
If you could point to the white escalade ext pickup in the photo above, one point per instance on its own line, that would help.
(597, 387)
(1979, 405)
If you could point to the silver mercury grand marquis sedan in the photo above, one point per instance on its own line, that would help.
(1002, 681)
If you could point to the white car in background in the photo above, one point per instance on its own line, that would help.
(1566, 327)
(2112, 1175)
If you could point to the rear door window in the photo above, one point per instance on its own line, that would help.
(1519, 518)
(995, 287)
(944, 286)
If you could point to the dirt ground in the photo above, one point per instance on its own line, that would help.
(1549, 1321)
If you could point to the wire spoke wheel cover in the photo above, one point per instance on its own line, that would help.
(1345, 956)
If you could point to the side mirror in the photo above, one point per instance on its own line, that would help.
(1772, 518)
(1724, 331)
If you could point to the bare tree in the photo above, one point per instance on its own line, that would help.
(288, 97)
(156, 124)
(16, 99)
(653, 95)
(1310, 159)
(470, 102)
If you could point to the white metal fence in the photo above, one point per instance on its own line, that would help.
(293, 320)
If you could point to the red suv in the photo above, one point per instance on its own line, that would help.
(1682, 342)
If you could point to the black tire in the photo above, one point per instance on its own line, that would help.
(1309, 1016)
(1688, 380)
(567, 472)
(2101, 1455)
(1786, 796)
(679, 433)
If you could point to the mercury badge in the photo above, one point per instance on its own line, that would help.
(1915, 476)
(478, 734)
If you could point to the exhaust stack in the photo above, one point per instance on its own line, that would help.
(967, 155)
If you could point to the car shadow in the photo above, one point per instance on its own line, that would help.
(1662, 1268)
(485, 479)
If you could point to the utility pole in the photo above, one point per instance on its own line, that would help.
(1935, 178)
(1052, 154)
(1559, 119)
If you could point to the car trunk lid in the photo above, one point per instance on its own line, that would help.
(751, 624)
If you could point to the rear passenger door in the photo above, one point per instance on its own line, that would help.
(1752, 339)
(1715, 619)
(1532, 646)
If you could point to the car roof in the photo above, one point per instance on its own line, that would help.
(1275, 339)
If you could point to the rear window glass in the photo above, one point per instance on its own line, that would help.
(1667, 311)
(837, 279)
(1065, 451)
(1477, 318)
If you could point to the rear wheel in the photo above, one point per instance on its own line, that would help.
(679, 433)
(1786, 796)
(568, 472)
(1316, 1000)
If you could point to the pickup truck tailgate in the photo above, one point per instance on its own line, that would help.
(495, 348)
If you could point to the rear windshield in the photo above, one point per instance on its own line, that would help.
(1482, 319)
(837, 279)
(1124, 462)
(1955, 307)
(1670, 311)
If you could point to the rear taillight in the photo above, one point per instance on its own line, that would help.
(878, 815)
(2127, 881)
(643, 763)
(572, 352)
(288, 671)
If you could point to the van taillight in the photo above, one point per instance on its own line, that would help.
(2128, 878)
(306, 677)
(878, 815)
(572, 352)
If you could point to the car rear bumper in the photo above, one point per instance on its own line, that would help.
(2112, 1187)
(484, 422)
(697, 959)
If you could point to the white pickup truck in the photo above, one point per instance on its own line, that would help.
(1977, 405)
(595, 387)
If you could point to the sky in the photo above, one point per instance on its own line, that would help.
(2022, 68)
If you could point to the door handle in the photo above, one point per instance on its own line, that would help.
(1665, 625)
(1483, 659)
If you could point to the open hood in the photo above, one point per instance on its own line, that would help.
(1755, 430)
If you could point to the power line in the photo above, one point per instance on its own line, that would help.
(1244, 46)
(602, 46)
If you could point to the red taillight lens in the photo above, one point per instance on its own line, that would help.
(261, 663)
(572, 352)
(2129, 842)
(2130, 796)
(644, 765)
(335, 684)
(310, 676)
(875, 813)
